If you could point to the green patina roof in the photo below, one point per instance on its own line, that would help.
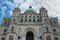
(30, 9)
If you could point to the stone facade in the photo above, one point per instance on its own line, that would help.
(30, 26)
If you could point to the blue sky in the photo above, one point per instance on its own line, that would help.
(6, 7)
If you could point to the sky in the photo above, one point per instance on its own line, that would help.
(6, 7)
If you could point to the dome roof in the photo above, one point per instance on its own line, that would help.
(30, 9)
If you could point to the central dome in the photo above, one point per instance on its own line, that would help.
(30, 9)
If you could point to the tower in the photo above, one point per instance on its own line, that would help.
(15, 15)
(45, 21)
(44, 14)
(16, 12)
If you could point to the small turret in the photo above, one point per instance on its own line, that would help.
(16, 11)
(16, 14)
(6, 21)
(43, 12)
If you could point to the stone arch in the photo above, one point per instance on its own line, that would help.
(29, 35)
(30, 29)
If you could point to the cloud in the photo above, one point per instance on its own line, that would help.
(5, 7)
(53, 6)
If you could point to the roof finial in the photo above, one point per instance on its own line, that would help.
(30, 6)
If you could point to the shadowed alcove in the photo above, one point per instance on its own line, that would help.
(29, 35)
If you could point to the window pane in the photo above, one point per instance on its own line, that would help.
(5, 31)
(38, 20)
(21, 20)
(29, 20)
(29, 16)
(48, 38)
(10, 37)
(25, 16)
(25, 19)
(33, 20)
(3, 38)
(56, 38)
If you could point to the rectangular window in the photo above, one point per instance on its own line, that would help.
(48, 37)
(12, 29)
(55, 38)
(10, 37)
(40, 37)
(3, 38)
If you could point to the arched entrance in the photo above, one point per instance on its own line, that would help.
(29, 35)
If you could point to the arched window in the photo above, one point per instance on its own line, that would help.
(29, 16)
(50, 22)
(25, 19)
(33, 20)
(21, 20)
(3, 38)
(54, 32)
(33, 16)
(55, 38)
(25, 16)
(12, 29)
(47, 29)
(18, 37)
(37, 16)
(14, 19)
(19, 30)
(22, 16)
(54, 22)
(5, 31)
(45, 20)
(40, 30)
(38, 20)
(40, 37)
(29, 20)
